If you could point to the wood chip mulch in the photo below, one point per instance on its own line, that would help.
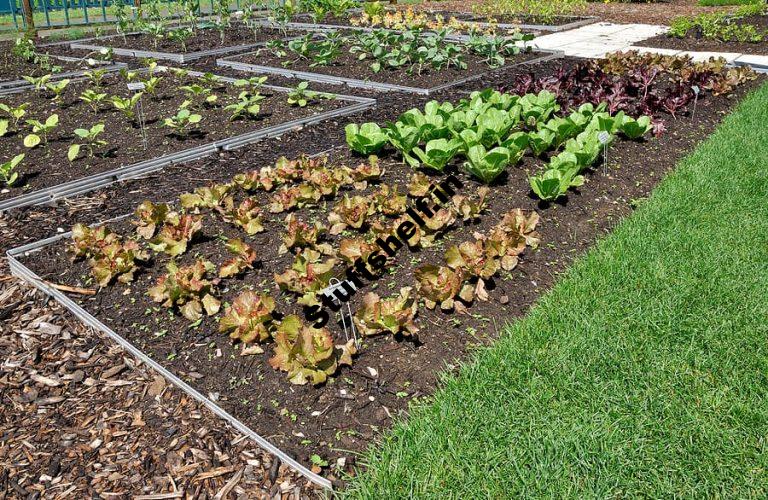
(80, 419)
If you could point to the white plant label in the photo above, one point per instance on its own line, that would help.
(134, 86)
(696, 89)
(603, 137)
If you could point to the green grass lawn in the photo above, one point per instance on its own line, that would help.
(644, 372)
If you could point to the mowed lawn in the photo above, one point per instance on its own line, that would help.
(643, 373)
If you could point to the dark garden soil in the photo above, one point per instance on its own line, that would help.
(13, 68)
(341, 417)
(694, 41)
(204, 39)
(349, 66)
(46, 166)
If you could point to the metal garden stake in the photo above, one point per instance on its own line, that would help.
(139, 86)
(603, 137)
(696, 91)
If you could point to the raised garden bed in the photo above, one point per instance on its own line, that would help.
(388, 372)
(524, 21)
(346, 66)
(205, 42)
(459, 25)
(38, 62)
(694, 39)
(44, 172)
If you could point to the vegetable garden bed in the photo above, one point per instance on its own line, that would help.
(754, 41)
(19, 61)
(458, 25)
(237, 38)
(317, 424)
(531, 22)
(184, 115)
(374, 60)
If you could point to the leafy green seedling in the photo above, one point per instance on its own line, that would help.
(183, 121)
(93, 98)
(7, 170)
(40, 129)
(126, 105)
(91, 141)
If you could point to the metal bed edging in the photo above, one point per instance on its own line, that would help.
(21, 271)
(103, 179)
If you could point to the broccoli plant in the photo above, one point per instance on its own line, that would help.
(126, 105)
(187, 289)
(39, 83)
(93, 99)
(246, 106)
(15, 114)
(249, 318)
(183, 121)
(306, 353)
(197, 93)
(57, 88)
(8, 173)
(41, 129)
(394, 315)
(96, 76)
(300, 96)
(91, 141)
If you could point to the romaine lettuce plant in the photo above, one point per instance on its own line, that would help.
(366, 139)
(437, 153)
(487, 165)
(554, 183)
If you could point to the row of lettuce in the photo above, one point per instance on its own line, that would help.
(492, 131)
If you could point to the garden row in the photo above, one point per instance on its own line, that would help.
(432, 240)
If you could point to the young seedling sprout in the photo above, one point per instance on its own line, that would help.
(91, 141)
(8, 173)
(40, 129)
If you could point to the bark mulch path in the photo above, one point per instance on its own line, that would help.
(79, 419)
